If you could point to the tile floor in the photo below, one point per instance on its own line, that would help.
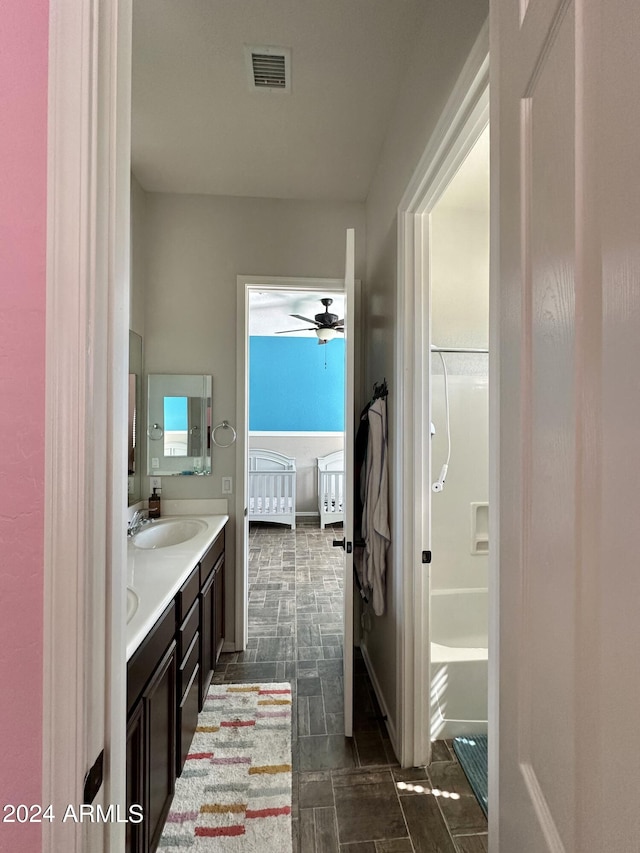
(349, 795)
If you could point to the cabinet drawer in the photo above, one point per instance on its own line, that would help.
(212, 556)
(187, 720)
(187, 666)
(188, 594)
(188, 629)
(144, 659)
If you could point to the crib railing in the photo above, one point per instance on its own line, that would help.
(272, 496)
(330, 496)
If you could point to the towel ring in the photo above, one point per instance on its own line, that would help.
(223, 425)
(157, 429)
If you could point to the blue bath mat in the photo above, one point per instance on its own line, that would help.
(472, 755)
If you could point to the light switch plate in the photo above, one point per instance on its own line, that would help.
(155, 483)
(227, 485)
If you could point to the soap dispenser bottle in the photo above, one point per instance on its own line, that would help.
(154, 504)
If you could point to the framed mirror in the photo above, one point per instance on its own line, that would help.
(178, 425)
(135, 463)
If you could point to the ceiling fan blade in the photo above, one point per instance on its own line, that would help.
(340, 322)
(288, 331)
(339, 330)
(300, 317)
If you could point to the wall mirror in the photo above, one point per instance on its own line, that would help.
(135, 463)
(178, 425)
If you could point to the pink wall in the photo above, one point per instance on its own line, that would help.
(23, 159)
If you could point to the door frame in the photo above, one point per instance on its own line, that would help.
(87, 324)
(245, 284)
(463, 119)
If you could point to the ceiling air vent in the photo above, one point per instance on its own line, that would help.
(269, 68)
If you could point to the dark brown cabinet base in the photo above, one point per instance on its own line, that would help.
(167, 679)
(211, 613)
(151, 733)
(160, 726)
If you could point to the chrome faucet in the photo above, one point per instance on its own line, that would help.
(137, 520)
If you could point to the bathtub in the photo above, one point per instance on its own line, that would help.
(459, 662)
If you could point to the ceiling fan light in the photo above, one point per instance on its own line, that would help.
(326, 334)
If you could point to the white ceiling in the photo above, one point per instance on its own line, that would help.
(198, 128)
(270, 310)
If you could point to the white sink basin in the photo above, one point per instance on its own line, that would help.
(132, 603)
(163, 534)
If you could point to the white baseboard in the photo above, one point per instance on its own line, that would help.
(391, 729)
(307, 514)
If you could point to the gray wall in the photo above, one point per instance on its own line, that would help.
(138, 257)
(449, 31)
(195, 246)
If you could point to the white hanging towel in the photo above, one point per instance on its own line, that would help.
(375, 516)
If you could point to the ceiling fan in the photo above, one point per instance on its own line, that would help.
(326, 325)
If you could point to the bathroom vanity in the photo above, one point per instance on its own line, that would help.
(174, 638)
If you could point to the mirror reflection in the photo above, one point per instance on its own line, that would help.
(179, 425)
(135, 464)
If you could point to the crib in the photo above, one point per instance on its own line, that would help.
(331, 488)
(272, 487)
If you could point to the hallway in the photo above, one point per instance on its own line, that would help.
(349, 795)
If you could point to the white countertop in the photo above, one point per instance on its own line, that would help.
(157, 574)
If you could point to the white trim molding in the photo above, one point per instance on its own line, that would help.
(464, 117)
(293, 434)
(86, 399)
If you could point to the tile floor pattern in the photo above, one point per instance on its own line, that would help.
(349, 795)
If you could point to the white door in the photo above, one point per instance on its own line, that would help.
(349, 441)
(566, 137)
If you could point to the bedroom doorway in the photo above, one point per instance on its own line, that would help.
(290, 591)
(296, 404)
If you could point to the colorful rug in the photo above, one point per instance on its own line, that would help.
(234, 794)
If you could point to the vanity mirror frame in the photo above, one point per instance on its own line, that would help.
(192, 396)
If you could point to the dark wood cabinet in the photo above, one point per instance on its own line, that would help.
(188, 714)
(135, 837)
(159, 700)
(218, 598)
(207, 651)
(167, 680)
(151, 732)
(188, 675)
(211, 612)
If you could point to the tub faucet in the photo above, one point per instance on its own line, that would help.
(137, 520)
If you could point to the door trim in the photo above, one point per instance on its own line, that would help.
(246, 283)
(88, 174)
(464, 117)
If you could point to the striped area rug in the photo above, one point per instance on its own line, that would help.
(234, 794)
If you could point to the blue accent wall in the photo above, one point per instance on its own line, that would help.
(289, 387)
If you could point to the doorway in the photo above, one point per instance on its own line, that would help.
(321, 289)
(296, 399)
(463, 121)
(458, 385)
(273, 294)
